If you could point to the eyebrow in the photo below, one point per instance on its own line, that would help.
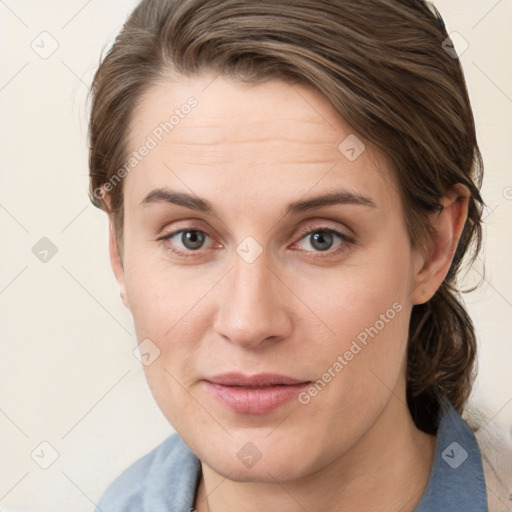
(195, 203)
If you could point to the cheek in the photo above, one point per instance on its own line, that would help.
(161, 295)
(367, 309)
(170, 307)
(163, 307)
(353, 299)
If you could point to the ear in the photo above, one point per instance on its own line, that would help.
(447, 230)
(115, 255)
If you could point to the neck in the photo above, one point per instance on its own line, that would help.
(389, 465)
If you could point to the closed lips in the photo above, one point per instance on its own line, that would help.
(254, 381)
(256, 394)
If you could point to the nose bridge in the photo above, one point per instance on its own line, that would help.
(251, 281)
(250, 307)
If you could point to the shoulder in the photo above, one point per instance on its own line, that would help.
(163, 479)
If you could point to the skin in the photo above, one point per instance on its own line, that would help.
(251, 151)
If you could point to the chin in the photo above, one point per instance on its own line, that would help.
(252, 458)
(268, 471)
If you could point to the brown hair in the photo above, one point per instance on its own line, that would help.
(384, 67)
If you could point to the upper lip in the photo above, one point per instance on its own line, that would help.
(258, 380)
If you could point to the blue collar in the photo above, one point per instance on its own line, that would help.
(456, 480)
(166, 479)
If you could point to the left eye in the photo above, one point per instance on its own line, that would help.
(323, 239)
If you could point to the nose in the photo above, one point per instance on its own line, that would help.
(253, 305)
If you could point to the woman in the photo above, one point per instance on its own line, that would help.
(292, 188)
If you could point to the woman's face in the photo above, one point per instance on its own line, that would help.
(251, 274)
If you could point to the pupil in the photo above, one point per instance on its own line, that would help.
(320, 237)
(192, 239)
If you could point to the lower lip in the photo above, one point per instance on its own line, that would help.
(254, 400)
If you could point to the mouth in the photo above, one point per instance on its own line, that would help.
(254, 394)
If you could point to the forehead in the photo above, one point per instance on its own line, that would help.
(273, 139)
(234, 108)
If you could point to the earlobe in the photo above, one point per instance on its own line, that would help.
(447, 230)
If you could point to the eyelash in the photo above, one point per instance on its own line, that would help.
(346, 240)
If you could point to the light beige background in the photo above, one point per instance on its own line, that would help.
(68, 374)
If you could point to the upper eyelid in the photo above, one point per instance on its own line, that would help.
(321, 223)
(302, 232)
(311, 229)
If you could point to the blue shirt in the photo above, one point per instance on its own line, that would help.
(166, 479)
